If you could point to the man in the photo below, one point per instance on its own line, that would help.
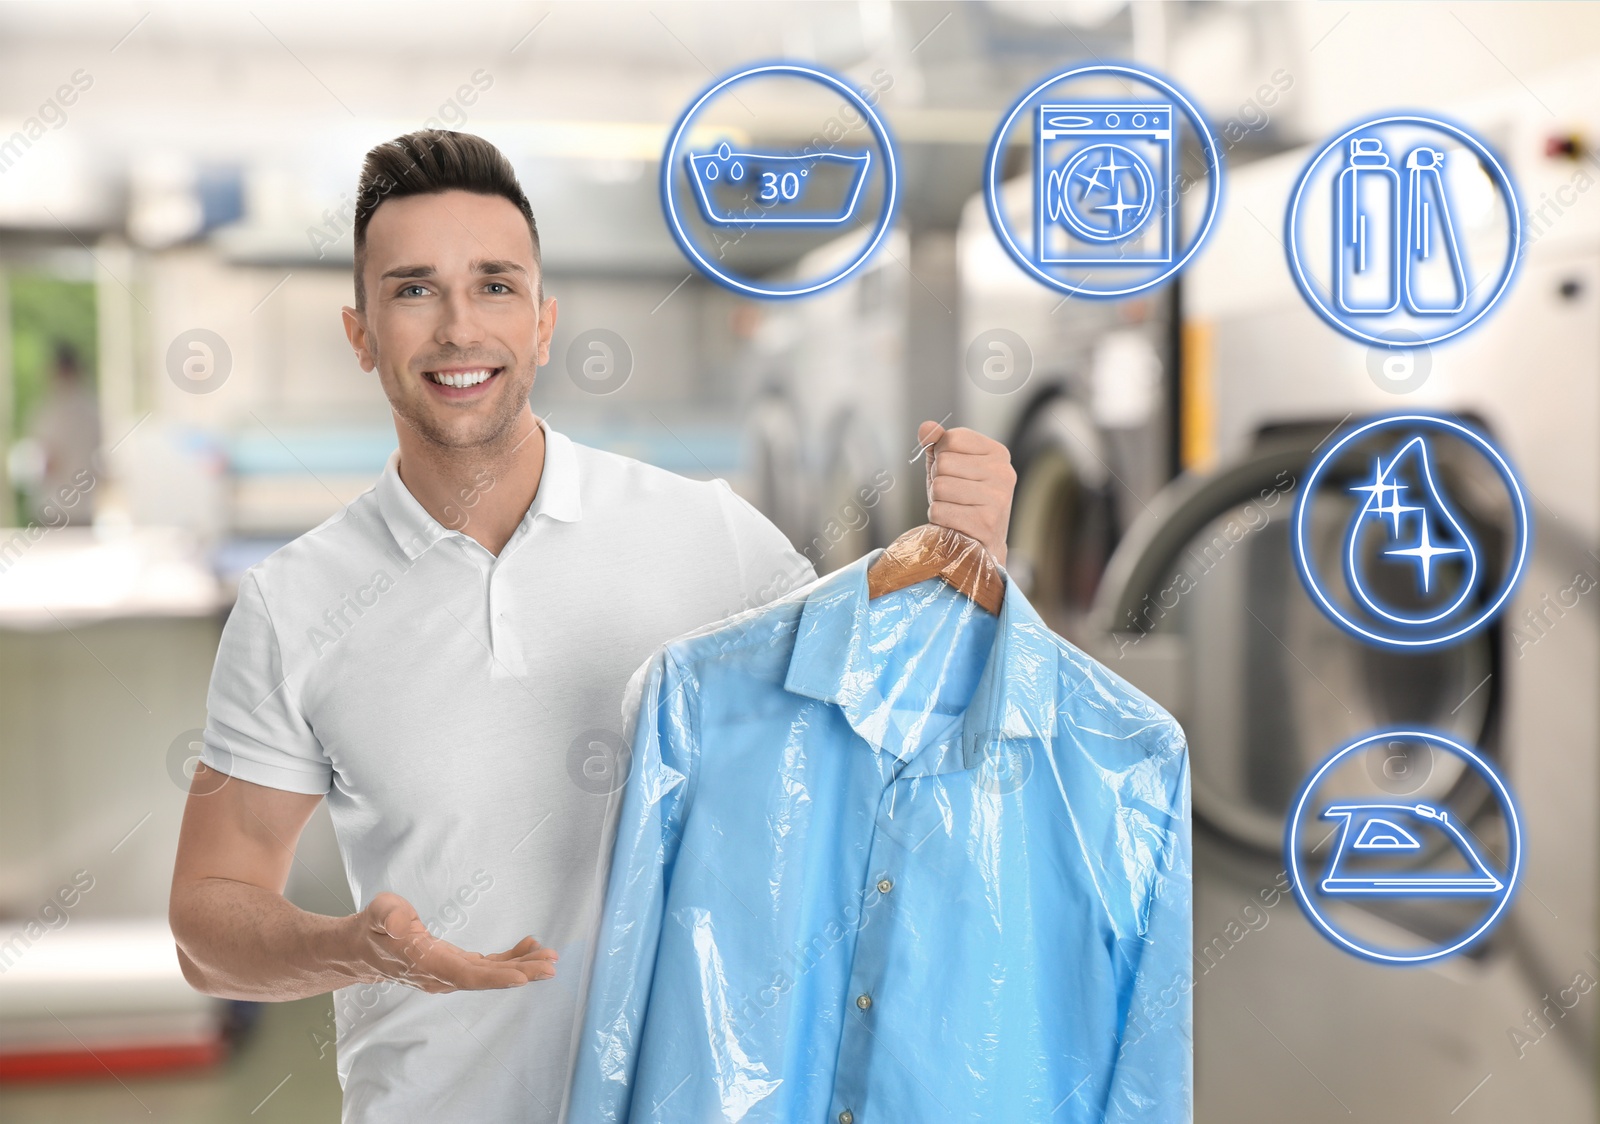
(444, 662)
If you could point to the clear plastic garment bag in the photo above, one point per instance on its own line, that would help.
(892, 857)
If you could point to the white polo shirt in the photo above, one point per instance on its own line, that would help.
(462, 714)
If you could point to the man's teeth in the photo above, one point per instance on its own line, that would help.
(461, 379)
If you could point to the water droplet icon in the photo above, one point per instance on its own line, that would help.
(1417, 531)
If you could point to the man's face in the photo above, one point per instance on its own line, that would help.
(453, 324)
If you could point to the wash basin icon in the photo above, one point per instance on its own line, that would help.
(1378, 842)
(778, 189)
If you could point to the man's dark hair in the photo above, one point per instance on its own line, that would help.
(427, 162)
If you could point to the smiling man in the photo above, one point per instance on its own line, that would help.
(444, 662)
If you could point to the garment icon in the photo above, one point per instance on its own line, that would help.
(1102, 181)
(1433, 267)
(777, 189)
(1424, 536)
(1377, 841)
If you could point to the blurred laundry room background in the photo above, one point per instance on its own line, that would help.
(176, 183)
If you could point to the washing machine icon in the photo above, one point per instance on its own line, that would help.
(1103, 174)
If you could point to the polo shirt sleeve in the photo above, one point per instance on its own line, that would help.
(769, 565)
(254, 728)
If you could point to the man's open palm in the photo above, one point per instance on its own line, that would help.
(399, 947)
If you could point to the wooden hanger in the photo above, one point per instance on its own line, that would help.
(931, 551)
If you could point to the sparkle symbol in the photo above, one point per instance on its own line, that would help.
(1110, 169)
(1119, 207)
(1379, 485)
(1092, 182)
(1385, 495)
(1395, 509)
(1384, 499)
(1425, 552)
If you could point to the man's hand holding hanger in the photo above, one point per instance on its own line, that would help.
(970, 484)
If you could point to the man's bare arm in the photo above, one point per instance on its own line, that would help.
(240, 938)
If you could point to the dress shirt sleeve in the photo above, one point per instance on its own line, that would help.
(254, 727)
(649, 825)
(1153, 1079)
(769, 565)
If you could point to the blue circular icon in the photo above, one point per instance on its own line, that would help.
(1098, 215)
(1405, 223)
(718, 191)
(1384, 849)
(1412, 572)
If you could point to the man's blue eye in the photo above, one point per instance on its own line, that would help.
(409, 289)
(500, 285)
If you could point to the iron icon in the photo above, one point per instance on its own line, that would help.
(1382, 850)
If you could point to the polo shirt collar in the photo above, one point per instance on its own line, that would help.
(416, 531)
(1015, 696)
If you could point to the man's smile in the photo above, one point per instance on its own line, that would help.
(461, 382)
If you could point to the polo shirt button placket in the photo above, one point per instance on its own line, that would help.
(494, 617)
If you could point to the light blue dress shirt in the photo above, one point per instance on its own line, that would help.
(893, 860)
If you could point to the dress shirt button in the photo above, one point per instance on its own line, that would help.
(863, 1001)
(846, 1117)
(885, 885)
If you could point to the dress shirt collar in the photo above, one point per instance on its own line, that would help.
(1015, 697)
(415, 530)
